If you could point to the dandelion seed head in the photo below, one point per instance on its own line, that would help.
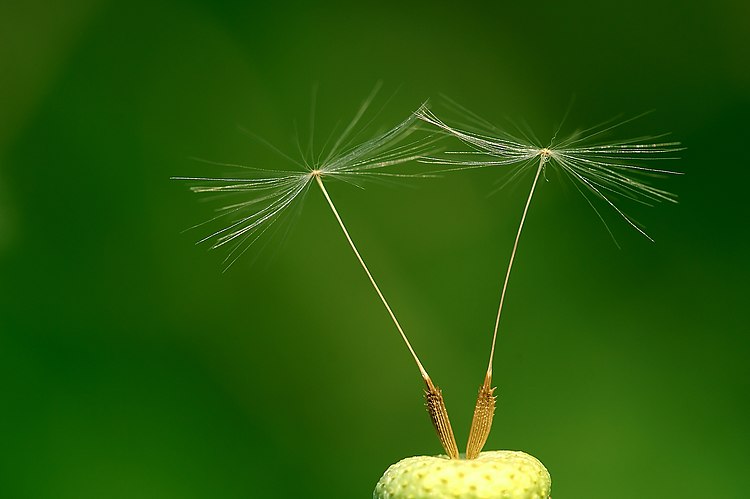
(602, 172)
(260, 197)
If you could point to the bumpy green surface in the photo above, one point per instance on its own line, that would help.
(500, 474)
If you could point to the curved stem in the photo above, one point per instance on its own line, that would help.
(542, 160)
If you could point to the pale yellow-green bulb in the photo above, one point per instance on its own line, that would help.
(500, 474)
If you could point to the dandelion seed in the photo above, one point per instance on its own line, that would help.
(267, 195)
(599, 171)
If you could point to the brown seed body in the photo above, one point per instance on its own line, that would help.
(481, 423)
(439, 417)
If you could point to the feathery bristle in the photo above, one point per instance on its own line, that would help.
(598, 171)
(262, 196)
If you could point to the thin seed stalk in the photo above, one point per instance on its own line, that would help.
(484, 410)
(435, 402)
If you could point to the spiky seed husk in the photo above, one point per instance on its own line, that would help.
(481, 423)
(439, 416)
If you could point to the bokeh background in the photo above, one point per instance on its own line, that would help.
(132, 367)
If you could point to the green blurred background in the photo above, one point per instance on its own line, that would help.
(131, 367)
